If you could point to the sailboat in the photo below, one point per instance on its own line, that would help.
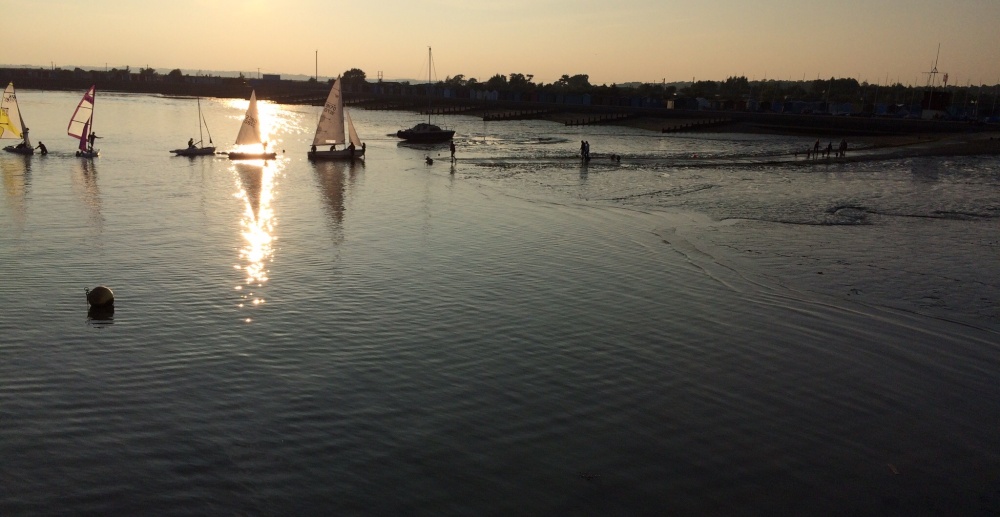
(426, 132)
(330, 130)
(250, 135)
(196, 148)
(81, 125)
(12, 125)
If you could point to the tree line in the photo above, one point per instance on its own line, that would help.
(734, 88)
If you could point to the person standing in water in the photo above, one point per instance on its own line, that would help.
(451, 147)
(41, 148)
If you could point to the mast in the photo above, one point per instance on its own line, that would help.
(201, 137)
(429, 85)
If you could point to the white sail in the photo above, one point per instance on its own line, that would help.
(350, 130)
(250, 130)
(79, 124)
(11, 125)
(330, 129)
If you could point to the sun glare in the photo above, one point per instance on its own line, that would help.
(255, 188)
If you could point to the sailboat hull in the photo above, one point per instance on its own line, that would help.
(341, 154)
(89, 154)
(194, 151)
(26, 151)
(425, 135)
(252, 156)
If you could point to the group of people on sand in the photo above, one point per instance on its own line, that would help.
(585, 150)
(815, 151)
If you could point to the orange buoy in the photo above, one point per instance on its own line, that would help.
(100, 296)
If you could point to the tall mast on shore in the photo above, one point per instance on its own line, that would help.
(932, 75)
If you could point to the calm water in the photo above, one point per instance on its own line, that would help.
(512, 335)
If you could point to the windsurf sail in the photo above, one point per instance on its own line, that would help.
(82, 120)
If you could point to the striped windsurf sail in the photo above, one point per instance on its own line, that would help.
(80, 123)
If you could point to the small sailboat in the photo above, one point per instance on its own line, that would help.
(197, 148)
(12, 125)
(330, 130)
(426, 132)
(81, 125)
(250, 135)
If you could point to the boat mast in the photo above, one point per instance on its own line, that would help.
(201, 137)
(428, 85)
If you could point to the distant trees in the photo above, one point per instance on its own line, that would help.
(455, 82)
(353, 78)
(175, 75)
(519, 81)
(497, 82)
(577, 82)
(735, 92)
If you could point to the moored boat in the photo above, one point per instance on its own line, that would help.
(425, 131)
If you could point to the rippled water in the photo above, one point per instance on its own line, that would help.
(514, 334)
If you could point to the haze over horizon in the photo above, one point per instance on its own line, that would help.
(634, 40)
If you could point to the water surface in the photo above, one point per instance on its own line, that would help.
(516, 333)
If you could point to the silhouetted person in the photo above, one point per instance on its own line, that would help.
(90, 140)
(451, 147)
(313, 148)
(583, 149)
(41, 148)
(843, 147)
(190, 143)
(828, 151)
(351, 149)
(816, 149)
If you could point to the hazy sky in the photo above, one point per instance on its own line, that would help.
(612, 41)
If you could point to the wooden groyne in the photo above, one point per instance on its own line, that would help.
(605, 118)
(450, 110)
(696, 125)
(516, 115)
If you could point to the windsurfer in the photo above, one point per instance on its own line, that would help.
(90, 140)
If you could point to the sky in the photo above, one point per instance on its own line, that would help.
(611, 41)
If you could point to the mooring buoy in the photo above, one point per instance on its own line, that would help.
(100, 296)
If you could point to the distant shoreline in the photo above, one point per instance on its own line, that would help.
(661, 120)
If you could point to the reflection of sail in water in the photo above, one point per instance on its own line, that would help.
(16, 182)
(330, 178)
(255, 183)
(250, 178)
(85, 185)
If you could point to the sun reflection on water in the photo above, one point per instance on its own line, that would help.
(255, 183)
